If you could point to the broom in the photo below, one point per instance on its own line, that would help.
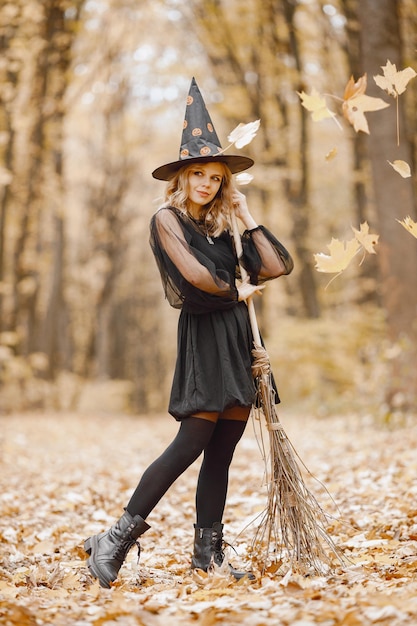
(293, 521)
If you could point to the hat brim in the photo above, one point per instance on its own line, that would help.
(235, 164)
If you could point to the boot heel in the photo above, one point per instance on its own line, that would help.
(88, 546)
(108, 550)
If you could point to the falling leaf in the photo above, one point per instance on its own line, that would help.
(243, 134)
(409, 225)
(357, 88)
(356, 103)
(365, 238)
(401, 167)
(316, 104)
(244, 178)
(392, 81)
(395, 83)
(331, 154)
(341, 254)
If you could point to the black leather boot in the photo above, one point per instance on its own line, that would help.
(208, 549)
(109, 549)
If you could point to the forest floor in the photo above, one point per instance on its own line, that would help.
(64, 477)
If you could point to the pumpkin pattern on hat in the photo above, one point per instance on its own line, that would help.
(199, 139)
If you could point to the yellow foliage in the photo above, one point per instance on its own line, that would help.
(409, 225)
(392, 81)
(357, 103)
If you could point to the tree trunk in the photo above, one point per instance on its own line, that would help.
(298, 193)
(361, 181)
(55, 336)
(394, 197)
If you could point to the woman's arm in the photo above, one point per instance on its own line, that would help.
(269, 259)
(173, 242)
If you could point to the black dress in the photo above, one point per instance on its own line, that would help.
(213, 368)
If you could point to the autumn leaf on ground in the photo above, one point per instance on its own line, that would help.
(341, 254)
(392, 81)
(409, 225)
(356, 103)
(316, 104)
(365, 238)
(373, 523)
(401, 167)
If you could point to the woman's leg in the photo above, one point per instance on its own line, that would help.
(214, 473)
(193, 436)
(107, 550)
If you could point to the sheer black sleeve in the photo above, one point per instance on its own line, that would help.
(264, 257)
(189, 277)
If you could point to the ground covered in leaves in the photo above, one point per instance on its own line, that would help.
(64, 477)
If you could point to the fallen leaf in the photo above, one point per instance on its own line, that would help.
(363, 463)
(18, 615)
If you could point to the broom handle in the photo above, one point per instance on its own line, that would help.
(244, 274)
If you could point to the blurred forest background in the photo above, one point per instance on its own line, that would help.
(92, 99)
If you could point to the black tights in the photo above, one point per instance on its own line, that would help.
(218, 440)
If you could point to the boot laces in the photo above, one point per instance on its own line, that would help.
(123, 548)
(217, 545)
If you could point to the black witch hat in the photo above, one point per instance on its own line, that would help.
(199, 141)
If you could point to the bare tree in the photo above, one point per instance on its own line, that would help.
(394, 196)
(55, 336)
(38, 49)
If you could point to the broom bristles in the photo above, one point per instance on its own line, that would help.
(293, 521)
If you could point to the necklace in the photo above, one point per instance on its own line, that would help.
(201, 225)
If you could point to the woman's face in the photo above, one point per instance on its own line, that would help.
(204, 180)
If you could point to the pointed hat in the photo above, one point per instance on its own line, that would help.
(199, 142)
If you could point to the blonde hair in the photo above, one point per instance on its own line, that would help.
(216, 213)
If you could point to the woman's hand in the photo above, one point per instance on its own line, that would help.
(240, 208)
(247, 290)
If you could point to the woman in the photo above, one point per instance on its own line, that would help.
(213, 389)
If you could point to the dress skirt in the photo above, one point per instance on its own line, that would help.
(214, 358)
